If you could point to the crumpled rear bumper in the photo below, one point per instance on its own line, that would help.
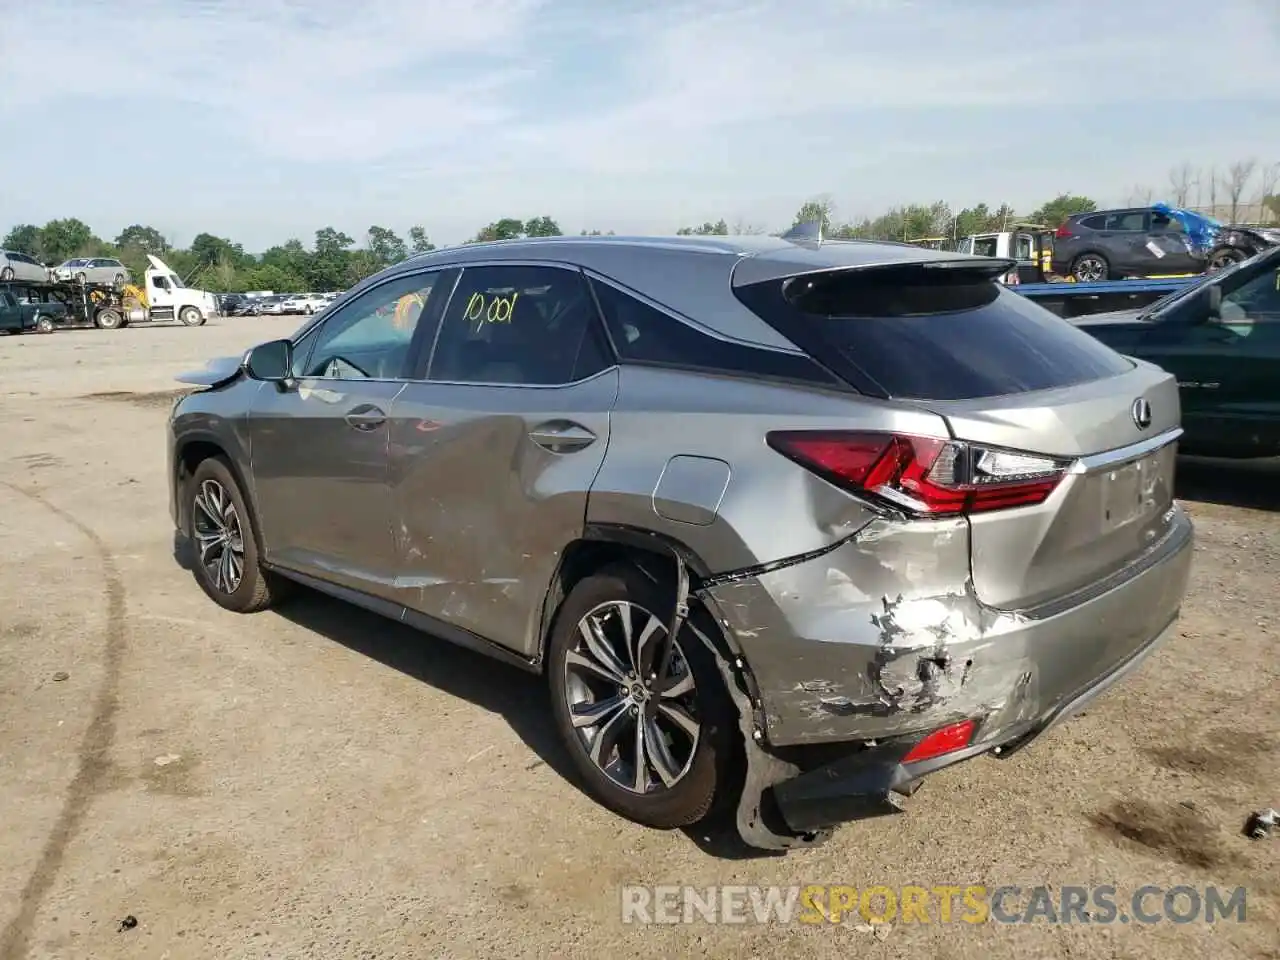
(868, 783)
(884, 636)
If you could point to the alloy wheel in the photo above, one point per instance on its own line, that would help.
(218, 535)
(632, 698)
(1089, 270)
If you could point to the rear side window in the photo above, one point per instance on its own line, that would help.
(1093, 223)
(913, 333)
(644, 334)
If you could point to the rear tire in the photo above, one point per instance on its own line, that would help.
(600, 695)
(224, 542)
(191, 317)
(109, 319)
(44, 324)
(1090, 268)
(6, 273)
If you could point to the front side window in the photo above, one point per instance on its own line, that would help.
(1252, 300)
(986, 246)
(160, 283)
(516, 324)
(370, 337)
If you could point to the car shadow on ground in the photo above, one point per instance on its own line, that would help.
(1252, 484)
(517, 696)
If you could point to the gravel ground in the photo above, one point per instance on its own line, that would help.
(318, 782)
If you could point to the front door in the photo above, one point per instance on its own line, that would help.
(319, 447)
(160, 297)
(1228, 366)
(494, 453)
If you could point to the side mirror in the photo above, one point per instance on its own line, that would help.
(271, 361)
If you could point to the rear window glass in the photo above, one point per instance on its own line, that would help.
(931, 336)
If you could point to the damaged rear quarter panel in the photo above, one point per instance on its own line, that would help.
(882, 635)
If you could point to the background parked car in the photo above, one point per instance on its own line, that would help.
(1220, 338)
(93, 270)
(19, 266)
(307, 303)
(1133, 242)
(22, 309)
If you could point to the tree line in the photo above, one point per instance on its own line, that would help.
(335, 261)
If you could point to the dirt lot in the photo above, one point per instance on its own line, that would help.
(318, 782)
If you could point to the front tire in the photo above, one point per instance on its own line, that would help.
(191, 317)
(1090, 268)
(224, 542)
(647, 724)
(6, 274)
(81, 278)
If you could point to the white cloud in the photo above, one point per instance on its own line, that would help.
(321, 81)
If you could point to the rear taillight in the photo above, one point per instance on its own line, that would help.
(941, 742)
(1063, 231)
(927, 476)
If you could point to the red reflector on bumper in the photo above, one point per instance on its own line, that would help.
(943, 740)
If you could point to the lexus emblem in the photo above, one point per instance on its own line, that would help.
(1141, 413)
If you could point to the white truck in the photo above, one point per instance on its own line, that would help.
(163, 298)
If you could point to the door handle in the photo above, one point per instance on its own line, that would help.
(366, 417)
(562, 436)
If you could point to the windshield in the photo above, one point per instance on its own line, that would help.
(173, 279)
(1169, 300)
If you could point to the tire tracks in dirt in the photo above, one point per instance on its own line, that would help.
(93, 767)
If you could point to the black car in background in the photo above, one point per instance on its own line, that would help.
(1221, 338)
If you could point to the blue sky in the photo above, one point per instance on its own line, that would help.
(265, 119)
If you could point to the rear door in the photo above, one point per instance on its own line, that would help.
(1124, 241)
(1012, 378)
(495, 447)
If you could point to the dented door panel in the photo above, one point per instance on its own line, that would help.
(484, 503)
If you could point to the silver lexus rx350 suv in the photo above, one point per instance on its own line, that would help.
(783, 522)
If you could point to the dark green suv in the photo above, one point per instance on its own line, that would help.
(1221, 338)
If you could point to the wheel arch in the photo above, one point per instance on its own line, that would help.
(657, 556)
(193, 448)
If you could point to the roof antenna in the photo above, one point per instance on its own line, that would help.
(808, 233)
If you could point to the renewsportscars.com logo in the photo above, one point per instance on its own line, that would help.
(972, 904)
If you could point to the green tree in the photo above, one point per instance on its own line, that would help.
(206, 250)
(708, 229)
(507, 228)
(418, 242)
(330, 267)
(61, 239)
(24, 238)
(1062, 206)
(144, 239)
(385, 247)
(819, 210)
(542, 227)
